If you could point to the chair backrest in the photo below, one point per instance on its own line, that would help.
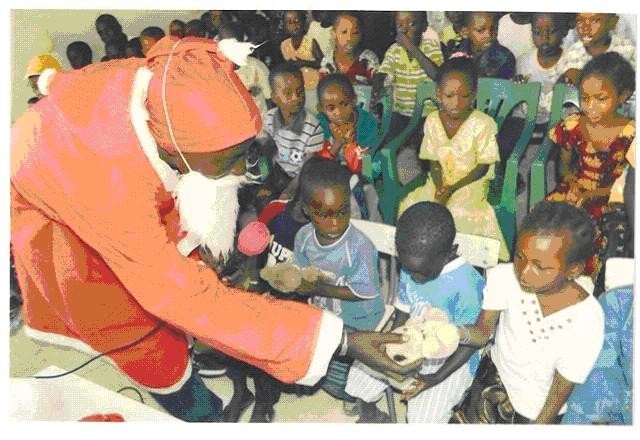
(498, 97)
(538, 181)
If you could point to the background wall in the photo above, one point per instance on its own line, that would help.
(34, 32)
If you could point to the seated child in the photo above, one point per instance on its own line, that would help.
(606, 396)
(409, 61)
(134, 48)
(548, 327)
(347, 54)
(304, 52)
(342, 252)
(295, 133)
(79, 54)
(597, 36)
(319, 28)
(460, 145)
(490, 57)
(350, 132)
(431, 275)
(594, 144)
(149, 37)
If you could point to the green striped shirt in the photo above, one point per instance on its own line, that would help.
(406, 74)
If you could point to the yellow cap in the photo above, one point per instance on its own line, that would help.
(41, 62)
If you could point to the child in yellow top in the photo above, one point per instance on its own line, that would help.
(460, 144)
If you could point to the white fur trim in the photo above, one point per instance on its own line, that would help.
(45, 80)
(66, 341)
(329, 337)
(139, 117)
(236, 51)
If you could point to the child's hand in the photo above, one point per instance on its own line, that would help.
(343, 133)
(443, 194)
(404, 41)
(571, 76)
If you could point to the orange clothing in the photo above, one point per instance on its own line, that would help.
(94, 236)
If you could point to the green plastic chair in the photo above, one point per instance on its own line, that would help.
(370, 168)
(538, 178)
(497, 98)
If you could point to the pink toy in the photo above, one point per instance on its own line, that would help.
(253, 239)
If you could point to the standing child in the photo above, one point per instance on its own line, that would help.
(408, 62)
(490, 57)
(594, 143)
(460, 145)
(431, 275)
(350, 132)
(304, 52)
(548, 327)
(294, 133)
(345, 254)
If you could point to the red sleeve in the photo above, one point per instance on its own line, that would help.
(353, 157)
(271, 211)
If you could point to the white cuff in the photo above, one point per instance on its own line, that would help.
(329, 337)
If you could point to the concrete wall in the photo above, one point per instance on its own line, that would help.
(34, 32)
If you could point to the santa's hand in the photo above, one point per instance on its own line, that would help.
(369, 348)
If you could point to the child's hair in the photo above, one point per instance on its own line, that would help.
(301, 15)
(467, 16)
(135, 47)
(353, 14)
(322, 173)
(459, 64)
(177, 23)
(81, 48)
(419, 15)
(338, 79)
(109, 21)
(152, 32)
(549, 217)
(284, 69)
(195, 28)
(564, 20)
(232, 29)
(425, 228)
(615, 67)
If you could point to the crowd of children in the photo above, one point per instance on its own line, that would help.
(313, 78)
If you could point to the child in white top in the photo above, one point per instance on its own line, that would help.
(548, 327)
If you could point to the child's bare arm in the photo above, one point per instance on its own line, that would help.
(558, 394)
(436, 173)
(481, 332)
(429, 67)
(317, 52)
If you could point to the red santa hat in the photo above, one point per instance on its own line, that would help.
(195, 100)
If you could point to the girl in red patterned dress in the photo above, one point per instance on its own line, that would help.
(594, 142)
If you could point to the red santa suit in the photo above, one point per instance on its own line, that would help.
(94, 227)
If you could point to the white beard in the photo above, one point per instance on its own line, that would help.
(208, 212)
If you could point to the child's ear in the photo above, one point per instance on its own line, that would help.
(613, 21)
(464, 31)
(305, 210)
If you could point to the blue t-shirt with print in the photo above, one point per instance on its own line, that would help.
(456, 291)
(353, 260)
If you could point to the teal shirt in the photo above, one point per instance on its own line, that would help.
(367, 135)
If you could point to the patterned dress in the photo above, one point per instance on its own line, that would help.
(595, 169)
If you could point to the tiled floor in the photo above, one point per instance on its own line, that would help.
(28, 357)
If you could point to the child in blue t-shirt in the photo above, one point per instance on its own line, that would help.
(432, 275)
(349, 260)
